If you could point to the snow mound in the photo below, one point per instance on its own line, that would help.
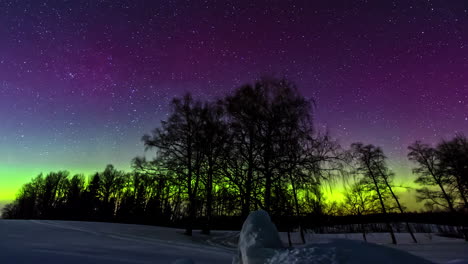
(304, 256)
(183, 261)
(260, 243)
(258, 240)
(458, 261)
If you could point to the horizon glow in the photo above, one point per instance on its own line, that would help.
(81, 81)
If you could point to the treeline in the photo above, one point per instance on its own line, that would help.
(255, 148)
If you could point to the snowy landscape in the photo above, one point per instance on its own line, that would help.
(242, 132)
(43, 241)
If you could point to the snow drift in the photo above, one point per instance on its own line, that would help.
(259, 243)
(258, 240)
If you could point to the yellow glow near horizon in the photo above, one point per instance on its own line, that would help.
(12, 179)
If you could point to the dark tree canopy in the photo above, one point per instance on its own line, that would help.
(255, 148)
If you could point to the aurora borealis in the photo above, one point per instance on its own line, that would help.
(82, 81)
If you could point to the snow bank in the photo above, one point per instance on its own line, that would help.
(258, 240)
(260, 243)
(304, 256)
(183, 261)
(458, 261)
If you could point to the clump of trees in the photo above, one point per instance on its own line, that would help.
(377, 179)
(255, 148)
(442, 173)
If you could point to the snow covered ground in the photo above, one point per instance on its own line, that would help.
(259, 242)
(432, 247)
(379, 249)
(31, 241)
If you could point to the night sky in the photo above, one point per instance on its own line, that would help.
(82, 81)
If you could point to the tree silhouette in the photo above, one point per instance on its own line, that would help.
(111, 181)
(178, 144)
(74, 197)
(453, 157)
(359, 201)
(370, 162)
(91, 198)
(430, 174)
(254, 148)
(242, 159)
(213, 144)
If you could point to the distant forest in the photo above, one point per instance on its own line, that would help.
(256, 148)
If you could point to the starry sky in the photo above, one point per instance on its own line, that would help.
(81, 81)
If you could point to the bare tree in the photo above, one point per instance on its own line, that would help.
(369, 160)
(242, 159)
(111, 182)
(178, 145)
(430, 173)
(213, 142)
(359, 201)
(453, 156)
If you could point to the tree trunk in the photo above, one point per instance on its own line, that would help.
(447, 198)
(363, 229)
(462, 192)
(209, 198)
(188, 230)
(296, 204)
(267, 192)
(384, 211)
(268, 173)
(363, 232)
(399, 206)
(248, 191)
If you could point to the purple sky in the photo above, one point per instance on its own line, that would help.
(82, 81)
